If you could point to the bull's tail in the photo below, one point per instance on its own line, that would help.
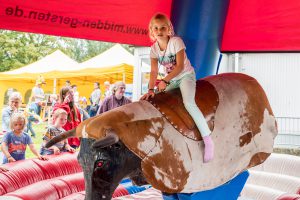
(61, 137)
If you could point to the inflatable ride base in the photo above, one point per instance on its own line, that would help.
(228, 191)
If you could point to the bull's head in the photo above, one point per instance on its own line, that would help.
(105, 167)
(103, 156)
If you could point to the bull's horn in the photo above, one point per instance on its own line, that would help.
(61, 137)
(108, 140)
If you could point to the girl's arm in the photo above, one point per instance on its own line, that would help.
(36, 153)
(153, 77)
(153, 73)
(178, 67)
(4, 149)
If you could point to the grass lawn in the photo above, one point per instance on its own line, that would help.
(39, 129)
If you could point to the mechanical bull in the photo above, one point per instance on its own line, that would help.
(160, 139)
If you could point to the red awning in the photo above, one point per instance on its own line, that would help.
(262, 25)
(251, 25)
(122, 21)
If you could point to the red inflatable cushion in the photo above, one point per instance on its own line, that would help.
(52, 188)
(120, 191)
(74, 181)
(27, 172)
(20, 174)
(65, 163)
(289, 197)
(77, 196)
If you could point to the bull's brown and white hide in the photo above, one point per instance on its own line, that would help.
(243, 130)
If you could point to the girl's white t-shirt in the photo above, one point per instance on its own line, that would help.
(167, 58)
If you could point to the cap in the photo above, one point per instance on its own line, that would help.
(40, 80)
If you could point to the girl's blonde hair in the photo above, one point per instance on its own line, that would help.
(162, 17)
(17, 116)
(59, 112)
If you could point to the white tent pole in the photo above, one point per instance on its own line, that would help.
(124, 77)
(137, 81)
(54, 86)
(236, 62)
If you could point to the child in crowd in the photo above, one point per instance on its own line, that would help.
(66, 102)
(107, 92)
(95, 100)
(14, 143)
(83, 103)
(53, 99)
(59, 120)
(32, 117)
(14, 102)
(168, 51)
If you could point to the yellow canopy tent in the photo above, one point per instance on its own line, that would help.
(83, 75)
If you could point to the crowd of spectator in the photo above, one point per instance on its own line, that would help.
(65, 114)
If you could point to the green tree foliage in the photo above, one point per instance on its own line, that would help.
(19, 49)
(82, 50)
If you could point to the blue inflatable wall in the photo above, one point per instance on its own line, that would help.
(200, 23)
